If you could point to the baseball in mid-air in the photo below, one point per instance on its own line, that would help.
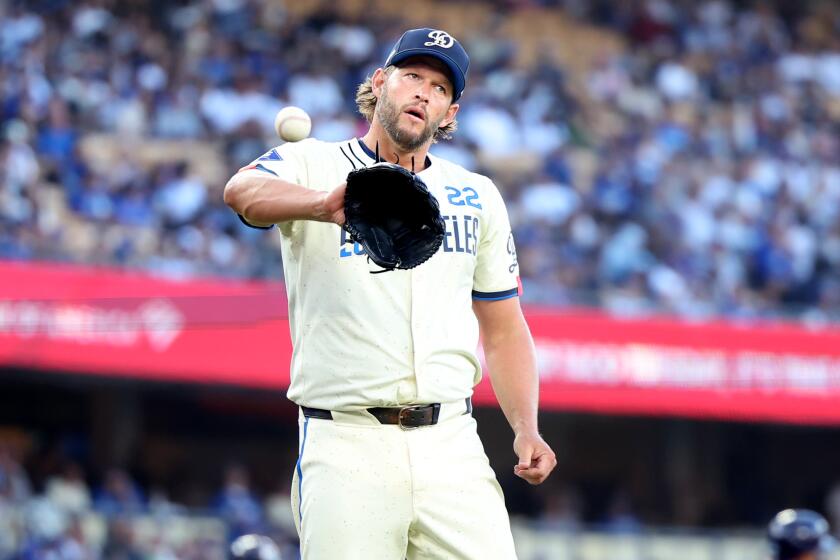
(292, 124)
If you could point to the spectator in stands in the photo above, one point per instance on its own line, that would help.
(237, 504)
(278, 508)
(119, 494)
(562, 510)
(120, 543)
(620, 516)
(69, 490)
(52, 534)
(14, 482)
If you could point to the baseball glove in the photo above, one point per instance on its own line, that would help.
(390, 212)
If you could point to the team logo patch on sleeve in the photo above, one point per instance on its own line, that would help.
(259, 166)
(511, 250)
(270, 155)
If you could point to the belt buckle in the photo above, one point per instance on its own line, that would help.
(407, 409)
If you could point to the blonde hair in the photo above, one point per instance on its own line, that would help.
(366, 102)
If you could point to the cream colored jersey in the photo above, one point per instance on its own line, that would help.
(400, 337)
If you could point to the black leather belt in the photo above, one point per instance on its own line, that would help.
(406, 417)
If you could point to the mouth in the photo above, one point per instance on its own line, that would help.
(416, 113)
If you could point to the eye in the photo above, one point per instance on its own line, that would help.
(412, 75)
(440, 89)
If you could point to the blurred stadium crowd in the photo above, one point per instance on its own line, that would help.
(67, 519)
(693, 168)
(51, 510)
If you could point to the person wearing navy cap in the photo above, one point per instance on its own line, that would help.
(390, 466)
(437, 44)
(799, 534)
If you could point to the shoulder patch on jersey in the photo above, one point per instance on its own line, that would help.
(270, 155)
(257, 166)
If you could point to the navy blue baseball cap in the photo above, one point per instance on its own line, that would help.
(436, 43)
(793, 532)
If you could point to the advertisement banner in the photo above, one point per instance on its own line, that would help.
(104, 322)
(99, 321)
(746, 371)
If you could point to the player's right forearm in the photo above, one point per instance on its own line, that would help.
(264, 200)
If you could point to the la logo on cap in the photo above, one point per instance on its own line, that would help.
(440, 39)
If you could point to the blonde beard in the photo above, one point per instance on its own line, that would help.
(388, 115)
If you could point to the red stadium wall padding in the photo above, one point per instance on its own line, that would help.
(119, 324)
(758, 371)
(96, 321)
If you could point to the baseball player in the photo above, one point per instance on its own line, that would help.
(799, 534)
(390, 465)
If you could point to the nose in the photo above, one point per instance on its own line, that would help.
(422, 93)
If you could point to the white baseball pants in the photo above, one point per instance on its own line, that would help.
(367, 491)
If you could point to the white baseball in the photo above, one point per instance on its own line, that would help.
(292, 124)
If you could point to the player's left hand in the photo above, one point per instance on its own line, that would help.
(536, 459)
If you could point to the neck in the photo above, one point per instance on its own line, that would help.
(391, 152)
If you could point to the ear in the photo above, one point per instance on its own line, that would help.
(450, 114)
(377, 80)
